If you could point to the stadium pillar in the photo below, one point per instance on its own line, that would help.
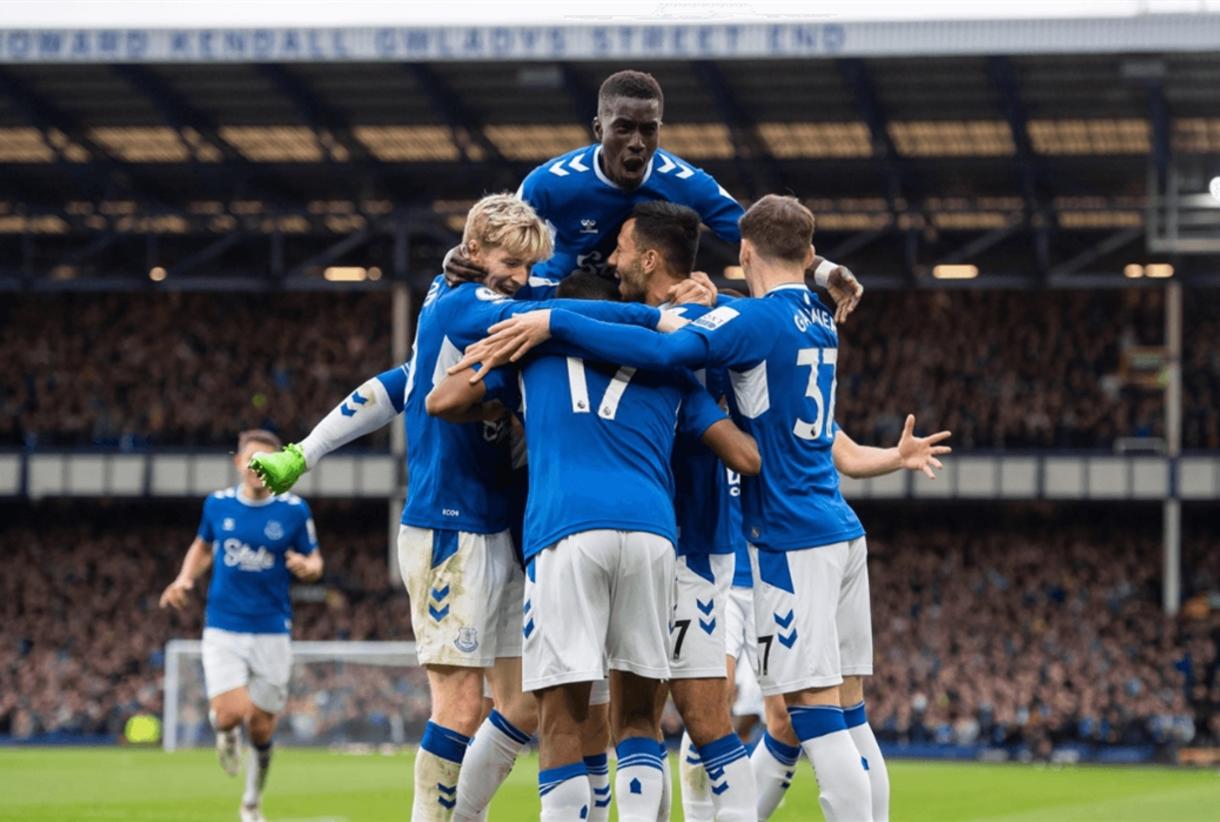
(400, 336)
(1171, 573)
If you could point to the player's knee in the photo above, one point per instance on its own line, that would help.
(457, 698)
(851, 692)
(229, 710)
(778, 723)
(261, 726)
(595, 731)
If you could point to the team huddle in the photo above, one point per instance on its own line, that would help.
(622, 486)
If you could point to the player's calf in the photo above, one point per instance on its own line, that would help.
(852, 696)
(563, 778)
(498, 741)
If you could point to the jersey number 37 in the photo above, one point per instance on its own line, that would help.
(816, 359)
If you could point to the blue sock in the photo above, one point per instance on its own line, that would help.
(732, 782)
(843, 783)
(437, 768)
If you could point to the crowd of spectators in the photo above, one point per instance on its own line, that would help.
(132, 370)
(1002, 369)
(1019, 627)
(1014, 627)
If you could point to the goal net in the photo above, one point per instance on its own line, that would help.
(340, 694)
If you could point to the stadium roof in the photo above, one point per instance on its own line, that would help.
(1037, 168)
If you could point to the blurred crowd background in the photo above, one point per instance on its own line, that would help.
(1024, 627)
(1001, 369)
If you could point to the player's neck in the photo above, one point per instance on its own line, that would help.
(254, 494)
(763, 278)
(659, 285)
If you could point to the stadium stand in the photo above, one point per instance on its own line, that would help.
(1013, 627)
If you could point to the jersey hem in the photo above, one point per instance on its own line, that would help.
(237, 624)
(819, 542)
(538, 546)
(464, 526)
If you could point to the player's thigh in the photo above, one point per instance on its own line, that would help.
(226, 666)
(796, 595)
(509, 596)
(740, 637)
(455, 581)
(747, 696)
(270, 671)
(641, 605)
(854, 617)
(698, 635)
(567, 610)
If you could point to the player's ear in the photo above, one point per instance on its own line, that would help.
(474, 252)
(597, 128)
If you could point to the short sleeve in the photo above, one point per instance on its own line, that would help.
(737, 335)
(699, 411)
(717, 208)
(205, 532)
(306, 540)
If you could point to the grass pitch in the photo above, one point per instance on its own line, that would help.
(318, 786)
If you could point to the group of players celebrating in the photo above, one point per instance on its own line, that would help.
(586, 531)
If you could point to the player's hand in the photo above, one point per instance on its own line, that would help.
(177, 593)
(280, 470)
(303, 567)
(845, 290)
(920, 453)
(698, 289)
(459, 269)
(507, 341)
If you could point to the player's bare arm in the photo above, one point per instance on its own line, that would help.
(197, 561)
(305, 567)
(457, 398)
(912, 453)
(735, 447)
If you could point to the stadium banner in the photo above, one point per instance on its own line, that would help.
(1147, 33)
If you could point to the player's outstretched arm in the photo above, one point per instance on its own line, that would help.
(735, 447)
(368, 408)
(512, 339)
(197, 561)
(912, 453)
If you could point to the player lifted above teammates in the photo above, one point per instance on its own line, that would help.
(454, 547)
(256, 544)
(586, 194)
(806, 545)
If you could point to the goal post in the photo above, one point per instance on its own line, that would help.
(340, 694)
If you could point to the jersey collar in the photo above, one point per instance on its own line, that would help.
(601, 175)
(789, 287)
(253, 503)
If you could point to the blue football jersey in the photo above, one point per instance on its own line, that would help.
(782, 351)
(459, 476)
(599, 439)
(585, 210)
(707, 495)
(250, 585)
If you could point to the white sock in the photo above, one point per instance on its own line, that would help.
(565, 793)
(845, 794)
(774, 764)
(256, 773)
(490, 757)
(696, 798)
(598, 767)
(438, 764)
(667, 784)
(639, 780)
(732, 781)
(874, 762)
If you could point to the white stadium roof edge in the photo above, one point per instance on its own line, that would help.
(78, 32)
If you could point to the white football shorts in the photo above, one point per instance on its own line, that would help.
(697, 635)
(595, 601)
(261, 663)
(811, 616)
(466, 591)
